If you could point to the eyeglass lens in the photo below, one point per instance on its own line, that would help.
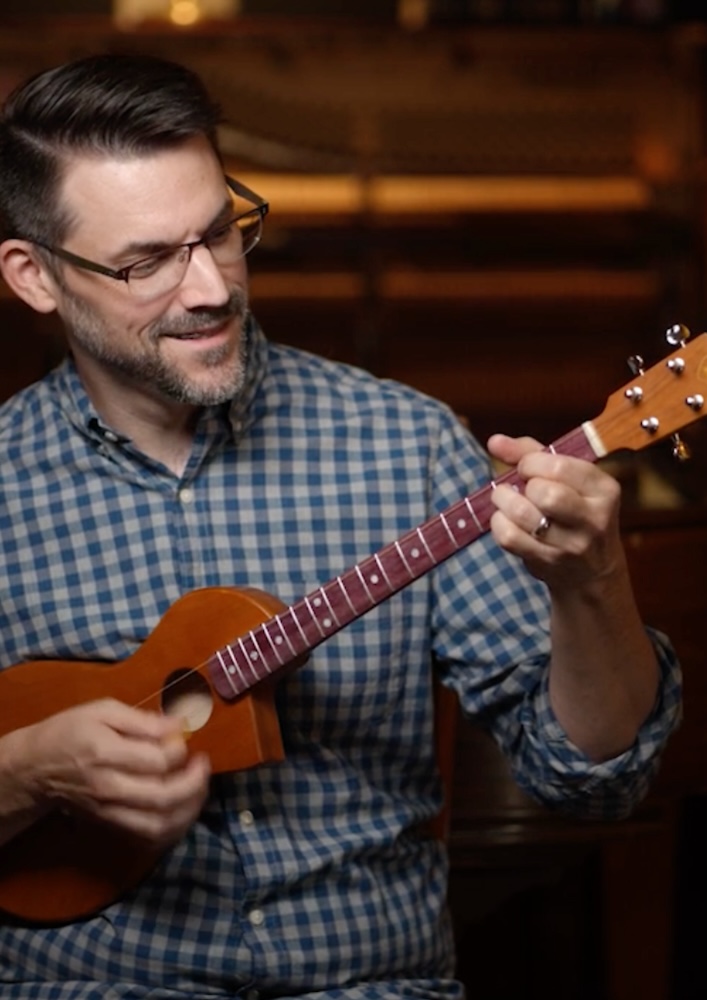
(164, 272)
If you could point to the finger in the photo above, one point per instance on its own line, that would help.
(520, 508)
(510, 450)
(141, 741)
(151, 792)
(555, 500)
(158, 810)
(143, 757)
(527, 533)
(584, 478)
(97, 746)
(137, 722)
(541, 528)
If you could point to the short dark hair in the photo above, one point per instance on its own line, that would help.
(111, 104)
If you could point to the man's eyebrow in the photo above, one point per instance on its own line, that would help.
(146, 248)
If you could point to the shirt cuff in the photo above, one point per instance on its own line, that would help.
(617, 783)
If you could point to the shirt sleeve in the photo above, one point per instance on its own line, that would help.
(560, 773)
(491, 626)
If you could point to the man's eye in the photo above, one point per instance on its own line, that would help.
(148, 266)
(219, 235)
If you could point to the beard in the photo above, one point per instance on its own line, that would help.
(223, 368)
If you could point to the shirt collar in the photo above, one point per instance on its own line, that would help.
(232, 418)
(241, 409)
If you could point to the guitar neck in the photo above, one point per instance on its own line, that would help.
(293, 633)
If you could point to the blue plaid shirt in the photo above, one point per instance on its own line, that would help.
(305, 877)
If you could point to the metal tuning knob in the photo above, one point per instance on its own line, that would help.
(634, 393)
(680, 450)
(677, 335)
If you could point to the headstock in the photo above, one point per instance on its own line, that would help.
(658, 402)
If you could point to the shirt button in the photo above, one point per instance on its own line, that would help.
(111, 436)
(256, 917)
(186, 495)
(247, 818)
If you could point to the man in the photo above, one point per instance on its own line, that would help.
(177, 449)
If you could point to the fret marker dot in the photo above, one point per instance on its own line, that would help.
(254, 655)
(461, 523)
(317, 602)
(415, 553)
(327, 623)
(375, 578)
(278, 640)
(231, 670)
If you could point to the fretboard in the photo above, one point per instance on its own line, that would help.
(274, 645)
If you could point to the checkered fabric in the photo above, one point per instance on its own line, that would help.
(304, 878)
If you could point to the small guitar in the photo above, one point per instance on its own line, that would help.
(65, 867)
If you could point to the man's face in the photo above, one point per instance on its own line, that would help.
(186, 345)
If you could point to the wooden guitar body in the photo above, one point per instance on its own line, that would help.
(65, 866)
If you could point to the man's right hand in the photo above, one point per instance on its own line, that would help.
(121, 765)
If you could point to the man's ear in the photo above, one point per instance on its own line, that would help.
(28, 279)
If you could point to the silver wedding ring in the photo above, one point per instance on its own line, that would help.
(541, 528)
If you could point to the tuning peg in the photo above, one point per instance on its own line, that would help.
(677, 335)
(680, 450)
(635, 363)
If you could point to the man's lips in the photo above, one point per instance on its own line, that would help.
(203, 333)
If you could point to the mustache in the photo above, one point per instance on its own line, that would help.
(198, 319)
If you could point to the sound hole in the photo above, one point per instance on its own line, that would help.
(186, 695)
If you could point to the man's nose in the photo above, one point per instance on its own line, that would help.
(203, 282)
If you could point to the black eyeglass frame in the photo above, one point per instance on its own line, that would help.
(260, 206)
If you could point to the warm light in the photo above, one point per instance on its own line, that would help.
(129, 14)
(185, 12)
(413, 14)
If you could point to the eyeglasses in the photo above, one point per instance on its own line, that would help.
(163, 271)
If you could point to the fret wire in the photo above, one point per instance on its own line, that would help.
(405, 562)
(329, 605)
(315, 618)
(237, 666)
(254, 640)
(247, 658)
(281, 625)
(363, 582)
(369, 568)
(443, 520)
(381, 567)
(345, 592)
(225, 670)
(293, 616)
(273, 645)
(415, 554)
(421, 535)
(471, 510)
